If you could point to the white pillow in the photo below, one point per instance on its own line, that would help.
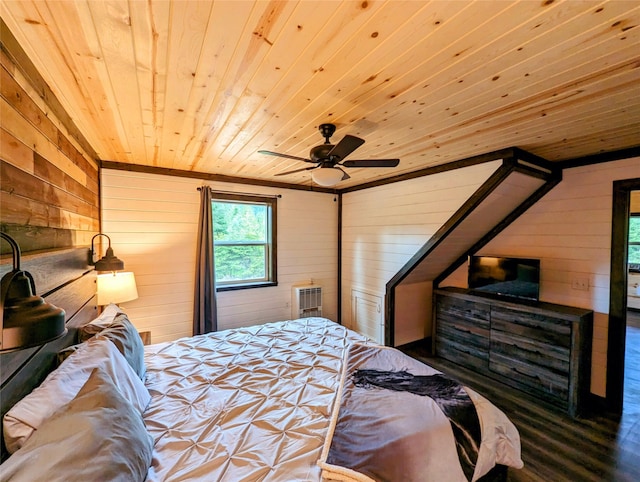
(64, 383)
(98, 324)
(97, 436)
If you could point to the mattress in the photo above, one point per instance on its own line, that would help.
(251, 404)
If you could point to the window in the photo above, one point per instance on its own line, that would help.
(244, 239)
(634, 239)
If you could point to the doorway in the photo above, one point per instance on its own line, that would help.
(617, 339)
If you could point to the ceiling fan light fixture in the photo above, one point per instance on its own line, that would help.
(327, 176)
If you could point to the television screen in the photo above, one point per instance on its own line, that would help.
(515, 277)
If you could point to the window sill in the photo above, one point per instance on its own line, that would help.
(246, 286)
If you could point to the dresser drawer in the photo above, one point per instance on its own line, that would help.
(475, 315)
(464, 355)
(543, 328)
(462, 332)
(532, 352)
(532, 378)
(473, 339)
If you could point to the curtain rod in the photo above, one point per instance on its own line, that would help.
(241, 193)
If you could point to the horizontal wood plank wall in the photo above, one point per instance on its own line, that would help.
(49, 190)
(152, 221)
(570, 231)
(49, 203)
(384, 226)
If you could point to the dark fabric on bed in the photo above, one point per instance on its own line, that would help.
(450, 396)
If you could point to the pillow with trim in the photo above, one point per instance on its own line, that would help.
(99, 434)
(63, 384)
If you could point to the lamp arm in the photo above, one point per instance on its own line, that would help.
(91, 262)
(15, 250)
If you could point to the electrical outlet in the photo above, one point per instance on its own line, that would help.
(581, 284)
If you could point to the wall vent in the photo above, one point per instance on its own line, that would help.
(307, 301)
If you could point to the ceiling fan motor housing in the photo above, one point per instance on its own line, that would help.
(320, 153)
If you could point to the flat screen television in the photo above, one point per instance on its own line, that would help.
(512, 277)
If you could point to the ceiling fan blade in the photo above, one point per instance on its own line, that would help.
(271, 153)
(372, 163)
(346, 146)
(295, 170)
(346, 176)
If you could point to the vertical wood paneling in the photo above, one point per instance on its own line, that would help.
(384, 226)
(152, 221)
(202, 85)
(570, 231)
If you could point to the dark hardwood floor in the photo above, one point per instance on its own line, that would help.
(555, 447)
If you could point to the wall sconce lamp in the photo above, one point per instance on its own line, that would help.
(116, 286)
(109, 262)
(26, 320)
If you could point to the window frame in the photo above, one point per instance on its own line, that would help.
(271, 244)
(630, 243)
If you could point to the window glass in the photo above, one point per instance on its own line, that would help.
(634, 239)
(244, 241)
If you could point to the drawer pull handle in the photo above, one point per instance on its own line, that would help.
(535, 352)
(526, 374)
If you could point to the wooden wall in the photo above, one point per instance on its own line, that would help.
(152, 221)
(49, 191)
(569, 230)
(384, 226)
(49, 203)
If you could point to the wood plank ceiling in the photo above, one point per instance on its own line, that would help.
(203, 85)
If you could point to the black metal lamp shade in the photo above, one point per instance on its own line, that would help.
(26, 320)
(109, 262)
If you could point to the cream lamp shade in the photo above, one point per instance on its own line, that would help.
(327, 176)
(116, 287)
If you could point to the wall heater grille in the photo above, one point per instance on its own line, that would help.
(307, 301)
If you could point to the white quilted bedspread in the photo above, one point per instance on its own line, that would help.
(249, 404)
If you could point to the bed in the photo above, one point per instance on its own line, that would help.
(274, 402)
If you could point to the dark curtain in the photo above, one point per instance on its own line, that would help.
(205, 316)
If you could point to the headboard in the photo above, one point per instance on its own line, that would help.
(64, 279)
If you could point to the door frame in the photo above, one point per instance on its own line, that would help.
(621, 208)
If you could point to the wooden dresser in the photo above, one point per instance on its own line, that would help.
(541, 348)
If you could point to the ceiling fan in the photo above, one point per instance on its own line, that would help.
(330, 158)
